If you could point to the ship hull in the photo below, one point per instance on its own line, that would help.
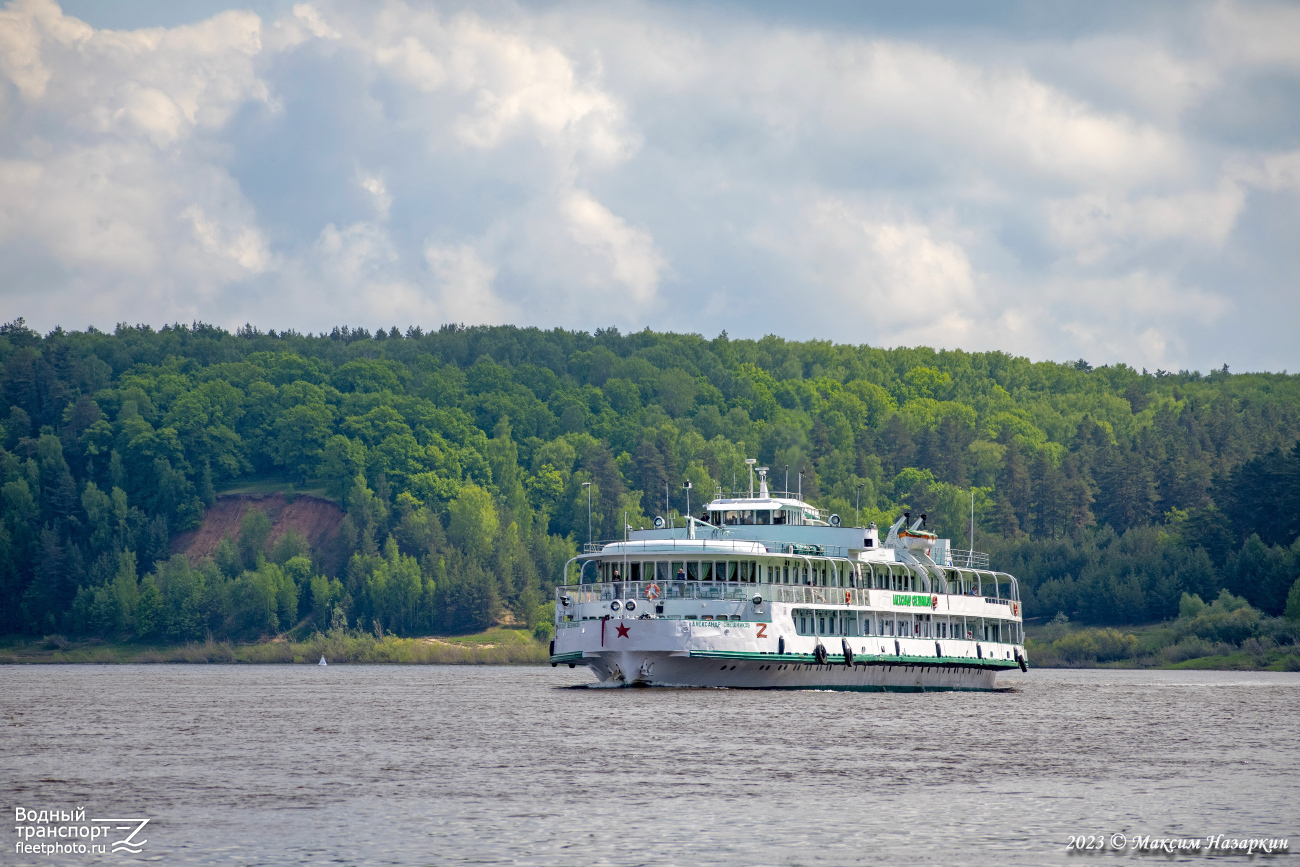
(644, 668)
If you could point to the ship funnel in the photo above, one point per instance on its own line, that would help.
(762, 482)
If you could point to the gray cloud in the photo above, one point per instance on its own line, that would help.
(1118, 186)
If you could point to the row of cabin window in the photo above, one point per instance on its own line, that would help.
(854, 624)
(897, 576)
(819, 573)
(743, 571)
(745, 517)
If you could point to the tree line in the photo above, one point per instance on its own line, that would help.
(462, 458)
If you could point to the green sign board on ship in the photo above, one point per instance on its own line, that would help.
(907, 599)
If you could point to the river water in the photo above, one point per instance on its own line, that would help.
(485, 765)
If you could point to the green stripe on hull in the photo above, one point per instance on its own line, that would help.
(830, 687)
(575, 656)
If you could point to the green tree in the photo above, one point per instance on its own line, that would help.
(1292, 611)
(254, 528)
(301, 435)
(150, 612)
(473, 521)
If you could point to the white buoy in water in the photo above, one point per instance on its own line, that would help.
(322, 661)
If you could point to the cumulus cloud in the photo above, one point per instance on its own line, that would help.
(1057, 193)
(899, 278)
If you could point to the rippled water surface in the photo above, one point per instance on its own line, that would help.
(453, 765)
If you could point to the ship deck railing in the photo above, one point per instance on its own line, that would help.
(969, 559)
(790, 549)
(795, 594)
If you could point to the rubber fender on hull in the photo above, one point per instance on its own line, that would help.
(553, 664)
(1020, 660)
(898, 651)
(938, 651)
(819, 654)
(848, 652)
(979, 651)
(780, 645)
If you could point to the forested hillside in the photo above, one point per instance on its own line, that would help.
(460, 458)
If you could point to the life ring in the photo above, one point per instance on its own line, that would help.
(934, 601)
(1015, 609)
(652, 592)
(848, 594)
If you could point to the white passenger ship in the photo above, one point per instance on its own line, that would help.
(768, 592)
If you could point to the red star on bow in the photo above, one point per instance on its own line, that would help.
(622, 631)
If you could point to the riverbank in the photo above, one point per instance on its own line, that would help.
(494, 647)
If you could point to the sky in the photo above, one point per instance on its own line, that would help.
(1118, 182)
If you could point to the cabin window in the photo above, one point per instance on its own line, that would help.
(732, 566)
(690, 617)
(706, 570)
(706, 616)
(735, 617)
(764, 516)
(634, 571)
(692, 570)
(778, 517)
(661, 571)
(679, 570)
